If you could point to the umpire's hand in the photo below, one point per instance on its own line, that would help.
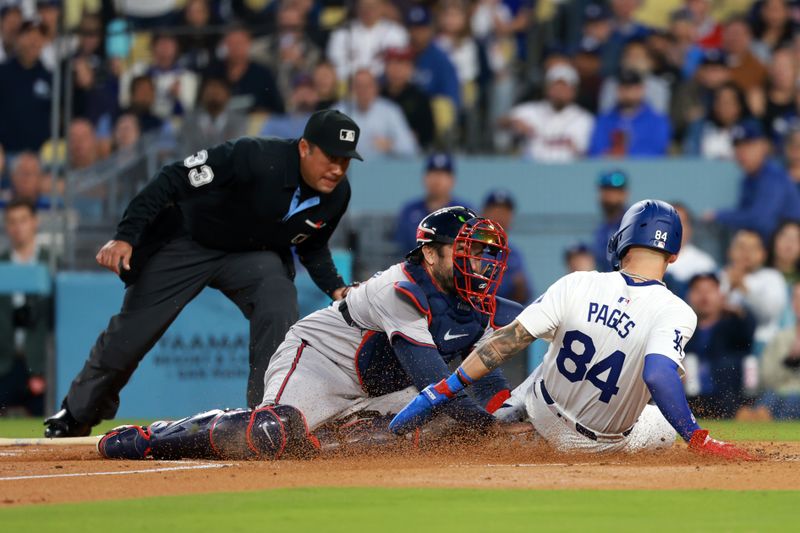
(113, 253)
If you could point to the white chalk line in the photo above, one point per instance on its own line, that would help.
(544, 465)
(201, 466)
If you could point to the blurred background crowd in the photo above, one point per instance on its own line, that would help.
(96, 94)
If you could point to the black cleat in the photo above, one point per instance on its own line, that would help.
(62, 424)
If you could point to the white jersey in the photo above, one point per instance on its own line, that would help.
(601, 326)
(559, 135)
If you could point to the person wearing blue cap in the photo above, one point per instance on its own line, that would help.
(579, 258)
(434, 72)
(766, 194)
(499, 206)
(438, 181)
(25, 93)
(637, 56)
(612, 188)
(633, 128)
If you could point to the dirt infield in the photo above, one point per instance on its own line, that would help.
(50, 475)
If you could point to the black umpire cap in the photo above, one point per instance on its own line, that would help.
(334, 132)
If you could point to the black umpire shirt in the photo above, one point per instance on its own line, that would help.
(242, 195)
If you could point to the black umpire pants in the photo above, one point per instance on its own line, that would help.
(257, 282)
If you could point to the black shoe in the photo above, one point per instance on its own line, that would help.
(62, 424)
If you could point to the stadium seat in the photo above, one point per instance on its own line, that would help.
(331, 17)
(255, 122)
(46, 151)
(444, 115)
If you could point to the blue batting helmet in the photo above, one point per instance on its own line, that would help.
(651, 224)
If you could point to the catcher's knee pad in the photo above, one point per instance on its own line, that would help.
(246, 434)
(300, 443)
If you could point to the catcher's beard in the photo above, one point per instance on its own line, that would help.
(442, 273)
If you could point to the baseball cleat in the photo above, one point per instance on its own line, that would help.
(63, 424)
(125, 442)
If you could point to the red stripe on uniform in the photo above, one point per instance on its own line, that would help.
(291, 371)
(416, 303)
(364, 340)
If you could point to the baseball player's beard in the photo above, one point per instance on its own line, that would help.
(443, 276)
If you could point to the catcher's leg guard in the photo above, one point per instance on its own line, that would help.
(188, 438)
(300, 443)
(125, 442)
(264, 433)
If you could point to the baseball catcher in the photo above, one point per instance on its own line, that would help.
(388, 338)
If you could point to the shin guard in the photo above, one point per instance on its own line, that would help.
(264, 433)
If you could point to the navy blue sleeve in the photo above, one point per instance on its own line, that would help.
(661, 376)
(425, 366)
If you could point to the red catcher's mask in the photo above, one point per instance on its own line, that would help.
(480, 254)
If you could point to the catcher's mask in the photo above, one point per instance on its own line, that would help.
(480, 254)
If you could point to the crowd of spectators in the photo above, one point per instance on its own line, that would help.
(439, 78)
(473, 75)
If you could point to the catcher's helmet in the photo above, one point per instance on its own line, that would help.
(651, 224)
(480, 252)
(442, 226)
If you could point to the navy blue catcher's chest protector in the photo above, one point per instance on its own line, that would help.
(454, 325)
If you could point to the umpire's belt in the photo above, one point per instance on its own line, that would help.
(580, 428)
(346, 315)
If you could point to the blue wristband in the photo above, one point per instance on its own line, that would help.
(458, 380)
(463, 376)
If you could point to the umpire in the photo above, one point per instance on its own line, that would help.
(225, 218)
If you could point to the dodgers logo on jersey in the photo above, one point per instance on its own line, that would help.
(678, 340)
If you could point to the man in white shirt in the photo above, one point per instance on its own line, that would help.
(384, 129)
(361, 43)
(747, 282)
(555, 130)
(692, 259)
